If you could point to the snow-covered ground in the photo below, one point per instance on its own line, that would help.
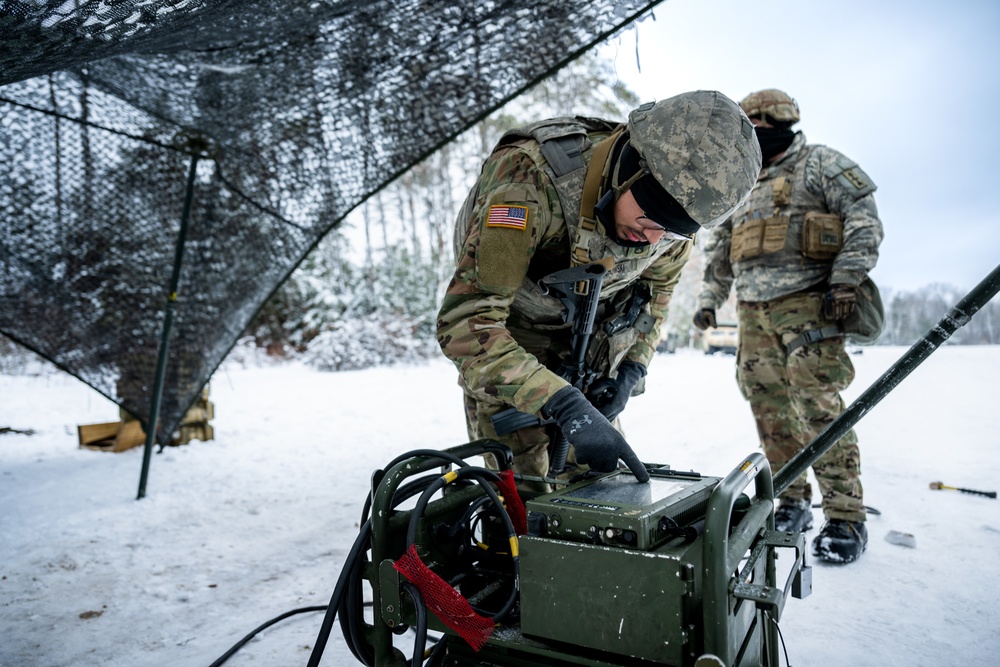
(257, 522)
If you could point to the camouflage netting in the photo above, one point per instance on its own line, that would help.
(298, 111)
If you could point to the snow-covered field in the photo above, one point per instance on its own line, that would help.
(257, 522)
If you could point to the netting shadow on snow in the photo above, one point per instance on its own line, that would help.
(302, 110)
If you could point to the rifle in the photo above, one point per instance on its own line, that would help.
(578, 288)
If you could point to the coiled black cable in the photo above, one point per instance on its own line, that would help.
(483, 477)
(420, 643)
(349, 605)
(351, 610)
(347, 599)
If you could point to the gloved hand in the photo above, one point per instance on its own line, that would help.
(705, 318)
(610, 395)
(839, 302)
(596, 441)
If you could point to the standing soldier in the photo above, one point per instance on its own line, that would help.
(569, 192)
(797, 250)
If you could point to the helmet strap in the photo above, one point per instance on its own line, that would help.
(631, 181)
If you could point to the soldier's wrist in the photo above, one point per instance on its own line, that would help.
(537, 390)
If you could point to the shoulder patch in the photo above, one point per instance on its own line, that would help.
(849, 176)
(855, 182)
(856, 179)
(508, 216)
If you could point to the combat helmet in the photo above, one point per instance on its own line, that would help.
(701, 148)
(771, 105)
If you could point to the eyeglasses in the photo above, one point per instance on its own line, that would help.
(647, 222)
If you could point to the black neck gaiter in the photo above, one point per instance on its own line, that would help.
(773, 141)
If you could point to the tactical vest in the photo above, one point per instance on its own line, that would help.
(783, 224)
(562, 148)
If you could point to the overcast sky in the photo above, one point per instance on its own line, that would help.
(908, 89)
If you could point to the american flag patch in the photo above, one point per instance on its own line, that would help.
(513, 217)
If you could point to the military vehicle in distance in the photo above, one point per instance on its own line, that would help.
(722, 338)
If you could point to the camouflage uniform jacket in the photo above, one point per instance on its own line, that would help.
(506, 338)
(762, 247)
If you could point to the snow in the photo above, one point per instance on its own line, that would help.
(238, 530)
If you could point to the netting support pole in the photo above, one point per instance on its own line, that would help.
(168, 322)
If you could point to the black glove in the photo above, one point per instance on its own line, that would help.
(839, 302)
(596, 441)
(705, 318)
(610, 396)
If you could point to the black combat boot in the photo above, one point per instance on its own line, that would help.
(840, 541)
(793, 516)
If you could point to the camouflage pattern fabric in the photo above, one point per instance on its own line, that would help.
(701, 148)
(506, 354)
(771, 105)
(779, 291)
(819, 179)
(530, 446)
(794, 397)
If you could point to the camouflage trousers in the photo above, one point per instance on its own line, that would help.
(530, 446)
(795, 396)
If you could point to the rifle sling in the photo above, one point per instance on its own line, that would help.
(814, 336)
(596, 172)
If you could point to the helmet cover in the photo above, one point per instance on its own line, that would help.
(771, 105)
(701, 148)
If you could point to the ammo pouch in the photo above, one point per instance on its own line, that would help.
(822, 235)
(759, 236)
(862, 327)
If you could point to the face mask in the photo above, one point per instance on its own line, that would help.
(773, 141)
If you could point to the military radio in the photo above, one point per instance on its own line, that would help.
(607, 571)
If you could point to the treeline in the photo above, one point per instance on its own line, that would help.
(336, 316)
(909, 315)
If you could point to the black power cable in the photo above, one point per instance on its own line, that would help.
(351, 611)
(347, 599)
(236, 647)
(483, 477)
(420, 643)
(781, 637)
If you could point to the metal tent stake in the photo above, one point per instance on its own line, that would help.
(196, 146)
(956, 318)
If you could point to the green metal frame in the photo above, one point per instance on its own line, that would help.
(724, 551)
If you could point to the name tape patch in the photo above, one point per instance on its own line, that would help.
(505, 215)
